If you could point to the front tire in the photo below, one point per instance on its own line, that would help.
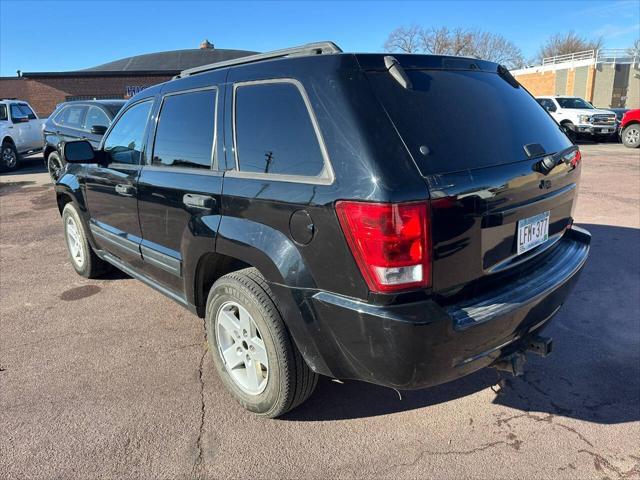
(569, 131)
(252, 350)
(631, 135)
(9, 158)
(84, 260)
(55, 164)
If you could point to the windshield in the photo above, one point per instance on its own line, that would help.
(574, 103)
(465, 119)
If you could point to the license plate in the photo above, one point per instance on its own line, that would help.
(605, 130)
(532, 232)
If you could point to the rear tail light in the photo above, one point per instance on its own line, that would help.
(574, 157)
(390, 242)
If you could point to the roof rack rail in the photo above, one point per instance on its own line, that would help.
(316, 48)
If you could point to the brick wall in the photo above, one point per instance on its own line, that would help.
(539, 83)
(46, 92)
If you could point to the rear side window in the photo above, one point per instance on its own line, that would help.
(124, 142)
(274, 132)
(96, 116)
(185, 132)
(465, 119)
(71, 116)
(3, 112)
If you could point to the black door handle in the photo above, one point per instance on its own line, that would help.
(201, 202)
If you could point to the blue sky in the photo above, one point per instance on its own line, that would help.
(56, 35)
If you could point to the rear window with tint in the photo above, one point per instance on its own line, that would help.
(466, 119)
(274, 131)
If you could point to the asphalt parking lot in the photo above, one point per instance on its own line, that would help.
(109, 378)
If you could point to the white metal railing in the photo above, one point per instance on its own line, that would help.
(604, 55)
(618, 55)
(570, 57)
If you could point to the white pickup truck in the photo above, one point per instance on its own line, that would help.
(20, 131)
(579, 117)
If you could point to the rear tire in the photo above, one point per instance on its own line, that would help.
(631, 135)
(84, 260)
(55, 164)
(242, 301)
(9, 157)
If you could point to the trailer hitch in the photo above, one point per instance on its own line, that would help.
(539, 345)
(513, 363)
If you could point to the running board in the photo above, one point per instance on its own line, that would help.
(119, 264)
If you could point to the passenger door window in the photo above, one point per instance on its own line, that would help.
(274, 131)
(22, 110)
(124, 143)
(95, 116)
(71, 117)
(185, 132)
(3, 112)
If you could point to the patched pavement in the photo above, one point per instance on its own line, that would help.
(108, 378)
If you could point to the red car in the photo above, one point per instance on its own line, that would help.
(630, 129)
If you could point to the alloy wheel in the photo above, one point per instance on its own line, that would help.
(632, 136)
(54, 167)
(9, 157)
(241, 348)
(74, 241)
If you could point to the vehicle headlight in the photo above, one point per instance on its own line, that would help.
(584, 118)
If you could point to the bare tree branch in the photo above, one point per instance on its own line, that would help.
(404, 39)
(443, 41)
(565, 43)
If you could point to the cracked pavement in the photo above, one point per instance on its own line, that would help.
(109, 379)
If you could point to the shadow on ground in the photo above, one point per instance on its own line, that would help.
(593, 373)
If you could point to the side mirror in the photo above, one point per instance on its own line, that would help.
(20, 119)
(98, 129)
(78, 151)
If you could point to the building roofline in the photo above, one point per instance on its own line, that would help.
(101, 73)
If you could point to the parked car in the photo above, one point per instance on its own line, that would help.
(20, 130)
(83, 119)
(579, 117)
(317, 210)
(630, 129)
(619, 113)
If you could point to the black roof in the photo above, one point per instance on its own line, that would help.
(160, 63)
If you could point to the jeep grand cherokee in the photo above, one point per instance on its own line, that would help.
(382, 218)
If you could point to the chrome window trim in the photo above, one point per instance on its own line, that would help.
(213, 160)
(326, 175)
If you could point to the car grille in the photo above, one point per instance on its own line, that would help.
(603, 119)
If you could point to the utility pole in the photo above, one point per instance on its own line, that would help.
(269, 159)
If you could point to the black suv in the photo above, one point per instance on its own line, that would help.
(82, 119)
(362, 216)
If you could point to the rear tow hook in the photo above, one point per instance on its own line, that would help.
(514, 362)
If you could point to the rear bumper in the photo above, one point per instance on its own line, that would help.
(422, 344)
